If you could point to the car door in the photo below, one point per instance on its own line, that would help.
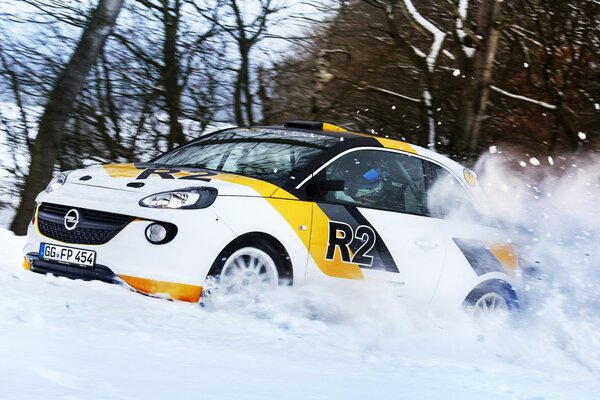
(376, 228)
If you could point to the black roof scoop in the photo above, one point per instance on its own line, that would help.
(135, 184)
(85, 178)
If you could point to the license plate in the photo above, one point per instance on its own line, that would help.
(68, 255)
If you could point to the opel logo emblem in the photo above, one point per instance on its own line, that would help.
(71, 219)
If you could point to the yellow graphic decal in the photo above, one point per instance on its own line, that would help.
(178, 291)
(396, 145)
(283, 194)
(335, 267)
(470, 177)
(132, 171)
(26, 264)
(122, 170)
(265, 189)
(390, 143)
(505, 256)
(296, 213)
(334, 128)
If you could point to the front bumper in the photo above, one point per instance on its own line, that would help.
(176, 269)
(98, 273)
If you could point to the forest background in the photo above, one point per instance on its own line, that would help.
(122, 80)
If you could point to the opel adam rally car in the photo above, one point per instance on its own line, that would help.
(276, 205)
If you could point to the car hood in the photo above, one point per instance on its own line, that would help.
(150, 178)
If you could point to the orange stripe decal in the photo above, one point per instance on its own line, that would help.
(178, 291)
(505, 256)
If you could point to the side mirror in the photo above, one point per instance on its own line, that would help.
(331, 186)
(318, 189)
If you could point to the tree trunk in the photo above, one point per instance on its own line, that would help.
(170, 73)
(247, 90)
(265, 100)
(479, 88)
(466, 109)
(237, 98)
(60, 104)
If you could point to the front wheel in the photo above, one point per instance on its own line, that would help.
(250, 264)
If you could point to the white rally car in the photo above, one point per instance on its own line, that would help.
(277, 205)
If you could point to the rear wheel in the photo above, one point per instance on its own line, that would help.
(491, 297)
(489, 303)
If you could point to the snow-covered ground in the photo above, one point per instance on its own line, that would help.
(63, 339)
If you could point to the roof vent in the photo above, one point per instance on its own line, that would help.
(309, 125)
(313, 126)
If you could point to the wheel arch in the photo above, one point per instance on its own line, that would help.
(256, 238)
(498, 286)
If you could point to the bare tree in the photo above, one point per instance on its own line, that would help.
(182, 46)
(246, 31)
(451, 75)
(60, 104)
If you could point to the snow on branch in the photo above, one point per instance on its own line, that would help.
(389, 92)
(524, 98)
(430, 120)
(438, 35)
(463, 7)
(448, 54)
(525, 34)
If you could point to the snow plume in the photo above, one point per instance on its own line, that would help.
(552, 215)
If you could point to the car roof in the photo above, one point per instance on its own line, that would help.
(332, 130)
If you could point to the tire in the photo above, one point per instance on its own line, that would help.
(248, 262)
(491, 297)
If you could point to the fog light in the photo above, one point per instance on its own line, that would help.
(156, 233)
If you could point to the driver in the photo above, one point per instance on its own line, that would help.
(366, 187)
(363, 181)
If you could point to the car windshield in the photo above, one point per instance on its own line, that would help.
(263, 153)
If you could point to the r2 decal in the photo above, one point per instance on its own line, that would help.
(341, 235)
(168, 173)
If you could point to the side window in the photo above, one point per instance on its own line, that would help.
(379, 179)
(446, 197)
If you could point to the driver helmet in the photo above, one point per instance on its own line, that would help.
(365, 184)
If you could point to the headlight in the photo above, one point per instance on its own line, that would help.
(57, 182)
(188, 198)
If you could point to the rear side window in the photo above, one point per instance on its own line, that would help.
(447, 197)
(379, 179)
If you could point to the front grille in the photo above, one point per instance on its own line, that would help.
(94, 227)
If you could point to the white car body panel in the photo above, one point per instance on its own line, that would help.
(417, 244)
(430, 267)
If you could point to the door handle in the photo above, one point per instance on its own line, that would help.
(426, 244)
